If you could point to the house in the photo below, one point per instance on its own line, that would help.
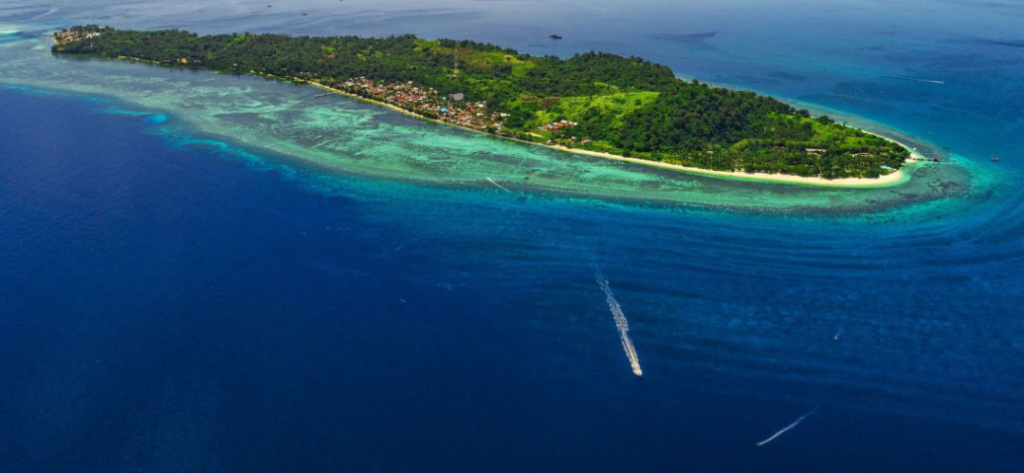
(457, 97)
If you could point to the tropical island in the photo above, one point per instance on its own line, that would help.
(597, 103)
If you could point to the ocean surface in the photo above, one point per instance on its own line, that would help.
(202, 272)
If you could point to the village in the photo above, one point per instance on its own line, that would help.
(74, 34)
(453, 109)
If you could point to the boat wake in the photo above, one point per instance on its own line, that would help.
(787, 428)
(929, 81)
(620, 323)
(49, 12)
(499, 186)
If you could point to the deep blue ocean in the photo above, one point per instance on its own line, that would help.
(174, 303)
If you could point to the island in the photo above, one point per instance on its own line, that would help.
(596, 103)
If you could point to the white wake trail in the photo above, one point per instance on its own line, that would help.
(499, 186)
(915, 79)
(787, 428)
(51, 11)
(620, 323)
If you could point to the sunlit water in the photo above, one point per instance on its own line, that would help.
(211, 273)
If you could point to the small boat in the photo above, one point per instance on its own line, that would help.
(995, 159)
(555, 36)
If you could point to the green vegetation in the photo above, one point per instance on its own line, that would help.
(622, 105)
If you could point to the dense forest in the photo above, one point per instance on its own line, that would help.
(596, 101)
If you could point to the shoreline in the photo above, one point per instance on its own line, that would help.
(892, 179)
